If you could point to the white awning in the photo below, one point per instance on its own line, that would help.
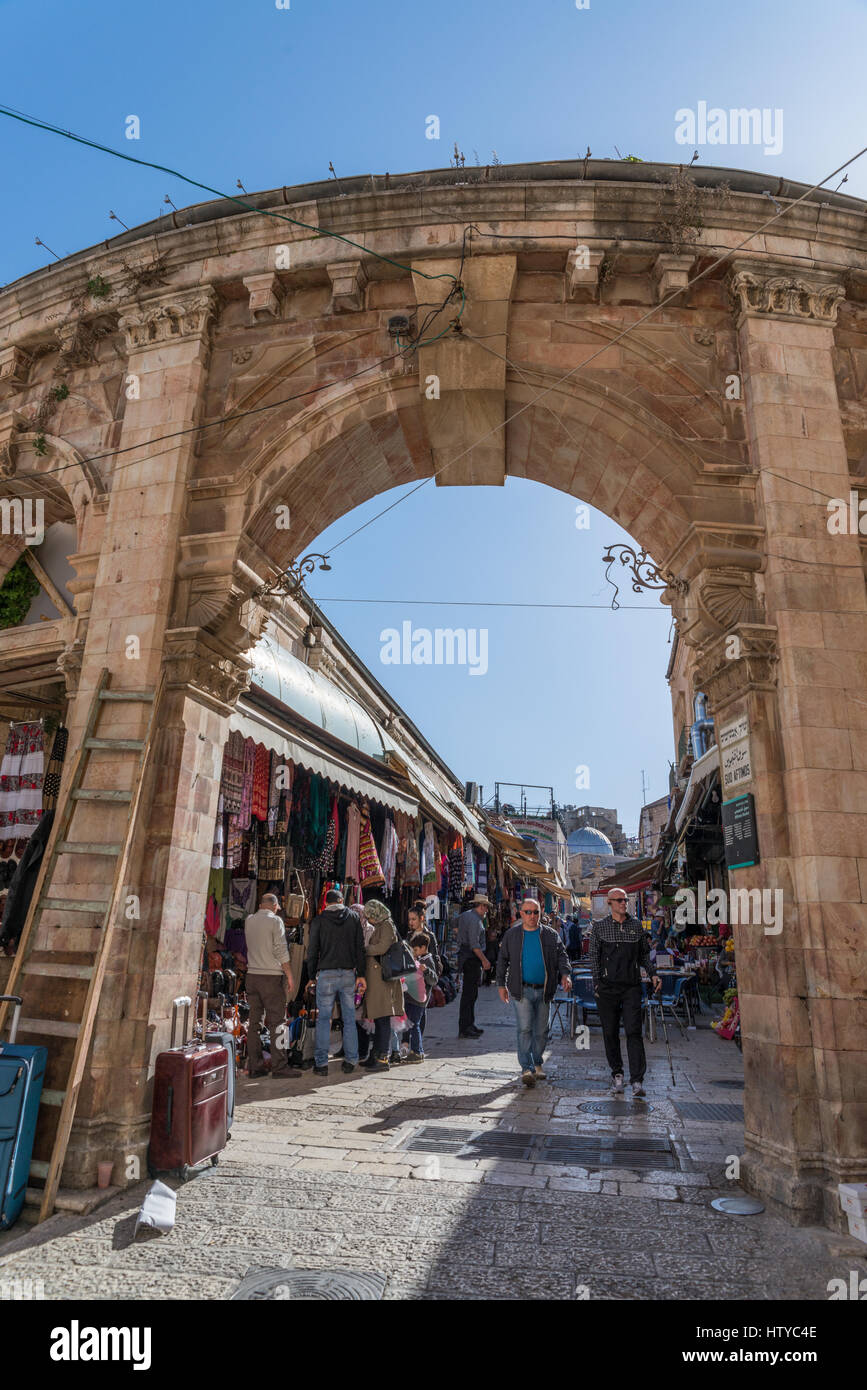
(703, 768)
(294, 747)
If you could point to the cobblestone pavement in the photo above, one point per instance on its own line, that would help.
(450, 1180)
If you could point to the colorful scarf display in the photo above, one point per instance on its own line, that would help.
(21, 775)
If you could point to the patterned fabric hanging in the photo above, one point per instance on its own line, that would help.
(412, 867)
(218, 849)
(353, 832)
(274, 779)
(324, 861)
(388, 854)
(261, 783)
(456, 868)
(247, 784)
(234, 843)
(54, 771)
(428, 855)
(21, 775)
(370, 873)
(272, 861)
(232, 776)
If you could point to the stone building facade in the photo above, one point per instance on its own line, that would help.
(201, 397)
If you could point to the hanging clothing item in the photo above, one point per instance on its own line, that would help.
(21, 775)
(234, 842)
(261, 783)
(252, 865)
(482, 874)
(370, 870)
(212, 917)
(272, 860)
(247, 784)
(218, 849)
(24, 881)
(274, 763)
(324, 861)
(232, 776)
(353, 829)
(469, 866)
(54, 771)
(412, 867)
(428, 852)
(242, 897)
(388, 854)
(456, 868)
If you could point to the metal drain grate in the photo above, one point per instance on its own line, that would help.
(491, 1075)
(568, 1150)
(705, 1110)
(293, 1285)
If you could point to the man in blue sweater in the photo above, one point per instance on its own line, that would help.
(532, 958)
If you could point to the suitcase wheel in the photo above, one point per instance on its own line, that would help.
(215, 1158)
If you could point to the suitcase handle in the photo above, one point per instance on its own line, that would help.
(16, 1014)
(176, 1003)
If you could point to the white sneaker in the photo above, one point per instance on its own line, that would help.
(638, 1090)
(617, 1084)
(528, 1078)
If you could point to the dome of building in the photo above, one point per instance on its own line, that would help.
(587, 840)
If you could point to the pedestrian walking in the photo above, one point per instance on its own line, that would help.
(269, 982)
(471, 962)
(336, 960)
(383, 999)
(619, 950)
(573, 939)
(531, 961)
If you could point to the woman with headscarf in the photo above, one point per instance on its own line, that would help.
(383, 999)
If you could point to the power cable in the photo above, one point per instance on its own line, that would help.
(675, 294)
(39, 124)
(485, 603)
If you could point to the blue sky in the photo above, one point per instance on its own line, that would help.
(226, 91)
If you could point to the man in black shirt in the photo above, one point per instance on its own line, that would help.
(619, 948)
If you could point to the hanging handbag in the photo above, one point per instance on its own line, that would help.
(296, 903)
(397, 961)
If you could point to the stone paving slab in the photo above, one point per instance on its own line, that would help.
(317, 1177)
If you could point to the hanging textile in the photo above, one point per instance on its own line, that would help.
(412, 867)
(54, 771)
(370, 869)
(272, 861)
(353, 830)
(388, 855)
(456, 868)
(469, 866)
(21, 774)
(274, 780)
(218, 849)
(242, 897)
(482, 874)
(253, 851)
(249, 764)
(234, 843)
(261, 783)
(232, 776)
(428, 853)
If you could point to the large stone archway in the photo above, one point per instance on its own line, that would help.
(239, 365)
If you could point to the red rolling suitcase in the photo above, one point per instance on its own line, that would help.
(189, 1122)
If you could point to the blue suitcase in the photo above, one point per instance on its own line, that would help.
(22, 1071)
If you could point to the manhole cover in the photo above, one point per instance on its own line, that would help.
(616, 1107)
(299, 1284)
(578, 1150)
(705, 1110)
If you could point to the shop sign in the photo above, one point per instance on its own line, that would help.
(736, 764)
(733, 733)
(740, 835)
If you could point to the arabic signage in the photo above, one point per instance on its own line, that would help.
(740, 836)
(736, 764)
(733, 733)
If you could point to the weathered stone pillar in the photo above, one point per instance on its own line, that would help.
(801, 992)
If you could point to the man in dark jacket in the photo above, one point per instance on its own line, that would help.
(619, 949)
(531, 960)
(335, 958)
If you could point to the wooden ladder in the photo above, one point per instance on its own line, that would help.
(42, 967)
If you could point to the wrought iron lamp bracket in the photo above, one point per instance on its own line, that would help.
(645, 574)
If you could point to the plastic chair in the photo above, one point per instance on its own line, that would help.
(672, 1000)
(562, 1001)
(585, 999)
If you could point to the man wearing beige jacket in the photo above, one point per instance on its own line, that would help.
(267, 965)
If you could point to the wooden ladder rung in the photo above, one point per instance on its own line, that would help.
(92, 794)
(133, 745)
(76, 904)
(58, 972)
(49, 1026)
(145, 696)
(87, 847)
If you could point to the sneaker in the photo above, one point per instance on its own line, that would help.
(477, 1032)
(395, 1059)
(540, 1075)
(528, 1078)
(617, 1084)
(320, 1071)
(467, 1034)
(416, 1057)
(348, 1066)
(307, 1064)
(638, 1090)
(379, 1064)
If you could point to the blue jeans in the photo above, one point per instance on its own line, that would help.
(531, 1016)
(415, 1013)
(330, 984)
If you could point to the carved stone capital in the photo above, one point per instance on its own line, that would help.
(671, 273)
(785, 293)
(170, 317)
(348, 279)
(266, 296)
(10, 425)
(69, 666)
(14, 370)
(742, 660)
(211, 672)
